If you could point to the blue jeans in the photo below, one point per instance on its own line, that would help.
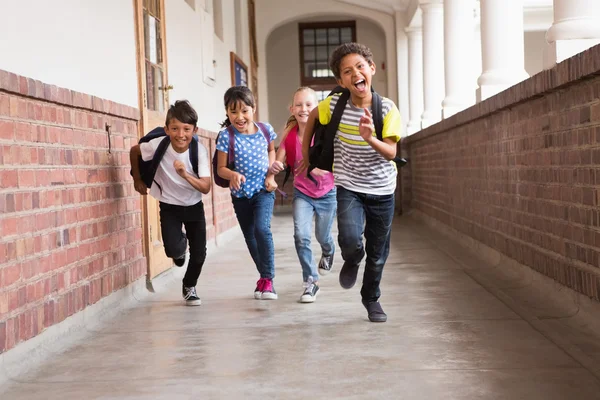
(323, 209)
(372, 215)
(254, 215)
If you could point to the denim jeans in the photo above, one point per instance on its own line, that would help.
(172, 217)
(254, 215)
(323, 209)
(372, 215)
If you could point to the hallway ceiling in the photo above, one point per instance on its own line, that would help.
(390, 6)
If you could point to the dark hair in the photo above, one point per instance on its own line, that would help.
(234, 95)
(343, 50)
(182, 111)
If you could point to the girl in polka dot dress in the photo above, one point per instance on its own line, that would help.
(252, 187)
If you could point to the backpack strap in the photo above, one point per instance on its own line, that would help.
(289, 145)
(338, 110)
(156, 159)
(264, 131)
(377, 107)
(231, 148)
(332, 126)
(194, 154)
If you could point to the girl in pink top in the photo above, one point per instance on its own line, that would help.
(310, 199)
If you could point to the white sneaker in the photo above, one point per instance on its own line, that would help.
(311, 289)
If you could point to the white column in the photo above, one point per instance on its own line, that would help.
(415, 78)
(433, 61)
(502, 46)
(576, 28)
(460, 78)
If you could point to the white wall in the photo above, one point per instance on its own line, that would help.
(184, 57)
(283, 64)
(84, 46)
(271, 14)
(535, 43)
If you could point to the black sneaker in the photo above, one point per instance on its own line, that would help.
(179, 261)
(375, 311)
(311, 289)
(325, 264)
(348, 275)
(190, 296)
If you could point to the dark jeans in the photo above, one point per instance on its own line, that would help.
(254, 215)
(192, 217)
(372, 215)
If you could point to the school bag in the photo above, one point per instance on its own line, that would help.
(224, 183)
(321, 151)
(148, 168)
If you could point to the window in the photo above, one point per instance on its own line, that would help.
(217, 11)
(154, 58)
(317, 42)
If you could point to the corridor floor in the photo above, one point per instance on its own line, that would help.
(447, 337)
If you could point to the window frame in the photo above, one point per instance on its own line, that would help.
(320, 83)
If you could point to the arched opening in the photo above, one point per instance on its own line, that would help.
(283, 61)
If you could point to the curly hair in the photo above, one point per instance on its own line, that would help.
(348, 48)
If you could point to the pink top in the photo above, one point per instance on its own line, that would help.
(301, 182)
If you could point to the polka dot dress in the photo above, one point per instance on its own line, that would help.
(251, 158)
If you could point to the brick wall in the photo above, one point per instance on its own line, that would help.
(70, 220)
(520, 172)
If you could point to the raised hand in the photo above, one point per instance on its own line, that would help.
(180, 168)
(366, 127)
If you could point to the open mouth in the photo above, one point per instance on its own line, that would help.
(361, 85)
(240, 124)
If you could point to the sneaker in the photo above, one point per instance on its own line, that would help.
(259, 287)
(375, 312)
(179, 261)
(190, 296)
(268, 290)
(325, 264)
(311, 289)
(348, 275)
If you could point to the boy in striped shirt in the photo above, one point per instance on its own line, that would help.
(364, 172)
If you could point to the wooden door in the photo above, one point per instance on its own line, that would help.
(153, 102)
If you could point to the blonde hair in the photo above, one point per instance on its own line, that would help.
(292, 122)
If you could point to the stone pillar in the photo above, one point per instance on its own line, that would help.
(576, 28)
(433, 61)
(502, 46)
(459, 52)
(415, 78)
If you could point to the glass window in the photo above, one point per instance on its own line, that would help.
(317, 43)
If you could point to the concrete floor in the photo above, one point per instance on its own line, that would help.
(447, 336)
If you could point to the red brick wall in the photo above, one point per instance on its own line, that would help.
(70, 220)
(520, 172)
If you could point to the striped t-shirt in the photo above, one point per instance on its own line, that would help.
(356, 165)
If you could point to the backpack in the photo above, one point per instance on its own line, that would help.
(321, 151)
(148, 168)
(224, 183)
(290, 153)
